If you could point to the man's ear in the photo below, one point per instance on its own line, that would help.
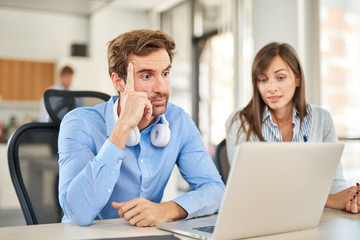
(118, 82)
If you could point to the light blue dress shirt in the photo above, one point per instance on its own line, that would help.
(94, 172)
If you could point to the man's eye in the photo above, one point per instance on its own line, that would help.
(146, 76)
(165, 74)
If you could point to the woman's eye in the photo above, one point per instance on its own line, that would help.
(262, 80)
(282, 77)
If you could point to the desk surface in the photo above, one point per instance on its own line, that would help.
(333, 225)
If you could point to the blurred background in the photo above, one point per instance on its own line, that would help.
(216, 42)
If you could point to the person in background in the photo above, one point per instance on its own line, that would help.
(65, 81)
(116, 158)
(278, 112)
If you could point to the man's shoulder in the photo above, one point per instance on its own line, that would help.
(177, 115)
(175, 111)
(87, 115)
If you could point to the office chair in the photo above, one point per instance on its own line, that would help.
(221, 160)
(60, 102)
(33, 165)
(33, 156)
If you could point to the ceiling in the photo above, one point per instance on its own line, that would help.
(81, 7)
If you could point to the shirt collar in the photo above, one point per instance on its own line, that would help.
(295, 113)
(267, 114)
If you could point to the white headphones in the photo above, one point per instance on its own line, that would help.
(159, 135)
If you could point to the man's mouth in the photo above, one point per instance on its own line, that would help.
(158, 102)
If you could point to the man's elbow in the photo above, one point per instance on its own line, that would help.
(78, 218)
(81, 222)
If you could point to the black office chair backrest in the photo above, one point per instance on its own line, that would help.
(33, 165)
(60, 102)
(221, 160)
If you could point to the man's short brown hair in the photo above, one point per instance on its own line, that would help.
(138, 42)
(66, 70)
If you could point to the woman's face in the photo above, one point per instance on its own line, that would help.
(277, 85)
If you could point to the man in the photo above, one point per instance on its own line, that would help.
(102, 176)
(66, 78)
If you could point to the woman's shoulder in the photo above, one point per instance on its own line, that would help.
(236, 128)
(318, 111)
(233, 119)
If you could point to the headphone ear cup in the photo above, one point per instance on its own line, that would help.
(134, 137)
(160, 135)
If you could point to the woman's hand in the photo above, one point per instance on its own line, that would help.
(348, 199)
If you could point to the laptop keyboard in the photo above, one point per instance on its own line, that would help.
(209, 229)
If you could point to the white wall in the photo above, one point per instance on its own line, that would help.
(274, 20)
(38, 35)
(105, 25)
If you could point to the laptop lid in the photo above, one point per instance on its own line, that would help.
(272, 188)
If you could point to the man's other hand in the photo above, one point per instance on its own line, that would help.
(142, 212)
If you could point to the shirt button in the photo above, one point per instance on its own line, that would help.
(120, 161)
(109, 190)
(141, 160)
(142, 189)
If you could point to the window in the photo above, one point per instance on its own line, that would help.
(340, 75)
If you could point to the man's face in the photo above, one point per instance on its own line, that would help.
(152, 75)
(66, 80)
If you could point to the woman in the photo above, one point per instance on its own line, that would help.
(278, 112)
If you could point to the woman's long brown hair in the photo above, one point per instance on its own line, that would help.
(251, 115)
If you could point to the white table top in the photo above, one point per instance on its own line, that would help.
(333, 225)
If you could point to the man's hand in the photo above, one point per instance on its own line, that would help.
(348, 199)
(133, 107)
(142, 212)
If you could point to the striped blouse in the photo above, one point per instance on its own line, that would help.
(271, 132)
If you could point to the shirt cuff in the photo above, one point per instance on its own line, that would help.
(111, 155)
(188, 204)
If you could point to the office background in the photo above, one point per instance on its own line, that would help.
(216, 42)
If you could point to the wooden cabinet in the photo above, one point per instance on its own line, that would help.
(25, 80)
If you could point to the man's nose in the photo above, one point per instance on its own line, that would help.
(159, 84)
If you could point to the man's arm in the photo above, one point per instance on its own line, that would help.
(198, 169)
(86, 181)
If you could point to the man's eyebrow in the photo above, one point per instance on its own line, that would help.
(152, 70)
(169, 67)
(145, 70)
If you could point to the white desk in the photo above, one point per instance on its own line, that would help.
(334, 225)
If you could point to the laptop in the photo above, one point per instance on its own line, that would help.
(272, 188)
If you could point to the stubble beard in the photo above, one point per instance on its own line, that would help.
(156, 110)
